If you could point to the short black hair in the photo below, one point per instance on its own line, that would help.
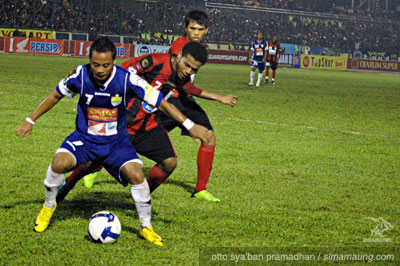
(195, 49)
(198, 16)
(102, 45)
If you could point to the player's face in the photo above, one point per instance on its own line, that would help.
(275, 38)
(186, 66)
(195, 32)
(260, 36)
(101, 65)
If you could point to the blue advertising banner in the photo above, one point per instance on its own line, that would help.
(288, 48)
(289, 61)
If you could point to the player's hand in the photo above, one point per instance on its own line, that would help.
(229, 99)
(199, 132)
(24, 129)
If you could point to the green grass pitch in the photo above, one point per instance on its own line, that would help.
(299, 164)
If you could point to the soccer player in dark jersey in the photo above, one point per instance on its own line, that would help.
(273, 54)
(100, 133)
(150, 139)
(196, 27)
(257, 58)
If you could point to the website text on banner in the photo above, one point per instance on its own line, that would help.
(21, 45)
(82, 49)
(372, 65)
(40, 34)
(323, 62)
(227, 57)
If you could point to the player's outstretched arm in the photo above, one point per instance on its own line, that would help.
(229, 99)
(25, 128)
(196, 131)
(225, 99)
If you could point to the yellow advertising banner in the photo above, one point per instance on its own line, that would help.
(39, 34)
(323, 62)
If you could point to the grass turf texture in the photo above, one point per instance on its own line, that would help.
(298, 164)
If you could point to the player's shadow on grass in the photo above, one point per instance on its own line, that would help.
(23, 203)
(187, 187)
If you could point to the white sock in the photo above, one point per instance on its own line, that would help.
(52, 182)
(260, 75)
(252, 73)
(141, 197)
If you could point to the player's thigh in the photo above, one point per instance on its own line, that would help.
(73, 151)
(274, 65)
(123, 153)
(195, 113)
(168, 122)
(261, 67)
(154, 144)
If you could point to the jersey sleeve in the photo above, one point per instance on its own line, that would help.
(139, 65)
(143, 90)
(71, 85)
(191, 89)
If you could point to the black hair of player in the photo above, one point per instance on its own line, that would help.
(198, 16)
(102, 45)
(196, 50)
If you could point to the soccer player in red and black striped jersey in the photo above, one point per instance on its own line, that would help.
(273, 54)
(196, 27)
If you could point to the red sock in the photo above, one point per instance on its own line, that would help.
(156, 177)
(205, 159)
(273, 74)
(79, 173)
(266, 73)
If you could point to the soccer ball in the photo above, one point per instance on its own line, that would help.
(104, 227)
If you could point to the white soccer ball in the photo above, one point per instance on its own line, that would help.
(104, 227)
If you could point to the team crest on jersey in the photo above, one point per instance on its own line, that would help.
(145, 63)
(116, 100)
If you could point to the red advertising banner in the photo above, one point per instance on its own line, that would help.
(82, 49)
(228, 57)
(21, 45)
(357, 64)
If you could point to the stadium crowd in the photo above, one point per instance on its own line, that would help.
(159, 22)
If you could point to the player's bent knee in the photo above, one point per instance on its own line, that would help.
(211, 138)
(169, 165)
(62, 162)
(133, 173)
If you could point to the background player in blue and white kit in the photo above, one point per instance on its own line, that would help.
(100, 133)
(257, 58)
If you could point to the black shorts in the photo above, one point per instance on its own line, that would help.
(188, 107)
(273, 64)
(154, 144)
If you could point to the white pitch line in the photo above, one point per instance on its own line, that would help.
(298, 126)
(248, 121)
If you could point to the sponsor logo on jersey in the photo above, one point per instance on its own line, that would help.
(102, 114)
(116, 100)
(149, 90)
(44, 47)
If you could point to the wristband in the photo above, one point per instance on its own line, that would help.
(29, 120)
(188, 124)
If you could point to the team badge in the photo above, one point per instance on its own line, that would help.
(145, 63)
(116, 100)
